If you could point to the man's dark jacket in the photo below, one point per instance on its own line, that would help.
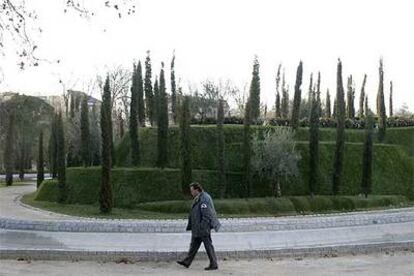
(202, 216)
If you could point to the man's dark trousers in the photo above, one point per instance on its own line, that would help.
(195, 245)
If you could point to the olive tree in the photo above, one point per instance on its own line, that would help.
(274, 156)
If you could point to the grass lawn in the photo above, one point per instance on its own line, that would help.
(120, 213)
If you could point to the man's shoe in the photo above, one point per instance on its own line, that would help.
(183, 264)
(211, 268)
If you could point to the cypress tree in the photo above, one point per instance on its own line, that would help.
(340, 132)
(328, 113)
(155, 101)
(53, 147)
(72, 104)
(382, 117)
(297, 97)
(334, 109)
(366, 180)
(61, 166)
(85, 134)
(391, 112)
(314, 173)
(133, 120)
(278, 111)
(221, 166)
(318, 95)
(285, 98)
(185, 145)
(121, 125)
(362, 97)
(40, 161)
(311, 94)
(247, 150)
(105, 195)
(173, 91)
(9, 151)
(350, 98)
(162, 137)
(140, 92)
(254, 95)
(148, 90)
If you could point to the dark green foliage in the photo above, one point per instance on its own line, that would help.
(328, 113)
(173, 91)
(381, 105)
(72, 105)
(61, 164)
(247, 150)
(85, 134)
(340, 133)
(162, 137)
(254, 93)
(297, 98)
(366, 181)
(9, 150)
(314, 176)
(140, 92)
(391, 108)
(133, 120)
(40, 161)
(221, 160)
(48, 191)
(285, 99)
(278, 111)
(185, 145)
(362, 98)
(350, 109)
(155, 102)
(53, 147)
(149, 96)
(105, 194)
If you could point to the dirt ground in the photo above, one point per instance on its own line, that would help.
(391, 263)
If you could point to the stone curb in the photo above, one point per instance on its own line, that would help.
(228, 225)
(147, 256)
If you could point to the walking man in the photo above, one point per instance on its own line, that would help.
(201, 220)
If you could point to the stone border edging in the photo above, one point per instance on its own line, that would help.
(228, 225)
(147, 256)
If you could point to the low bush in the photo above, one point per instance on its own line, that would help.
(48, 191)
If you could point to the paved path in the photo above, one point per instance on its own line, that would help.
(389, 263)
(303, 235)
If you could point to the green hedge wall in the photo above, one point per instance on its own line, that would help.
(392, 175)
(284, 205)
(205, 149)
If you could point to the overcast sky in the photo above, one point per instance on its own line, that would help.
(219, 38)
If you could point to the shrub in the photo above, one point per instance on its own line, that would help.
(48, 191)
(321, 204)
(301, 204)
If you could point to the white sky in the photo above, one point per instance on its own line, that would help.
(218, 39)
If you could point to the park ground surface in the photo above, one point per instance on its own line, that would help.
(387, 263)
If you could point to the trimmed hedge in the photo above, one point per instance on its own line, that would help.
(392, 175)
(48, 191)
(355, 123)
(132, 185)
(205, 148)
(283, 205)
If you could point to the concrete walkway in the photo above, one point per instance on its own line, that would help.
(297, 236)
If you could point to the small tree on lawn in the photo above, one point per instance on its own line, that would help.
(274, 156)
(297, 98)
(105, 195)
(221, 162)
(85, 135)
(9, 151)
(61, 162)
(366, 180)
(185, 145)
(40, 161)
